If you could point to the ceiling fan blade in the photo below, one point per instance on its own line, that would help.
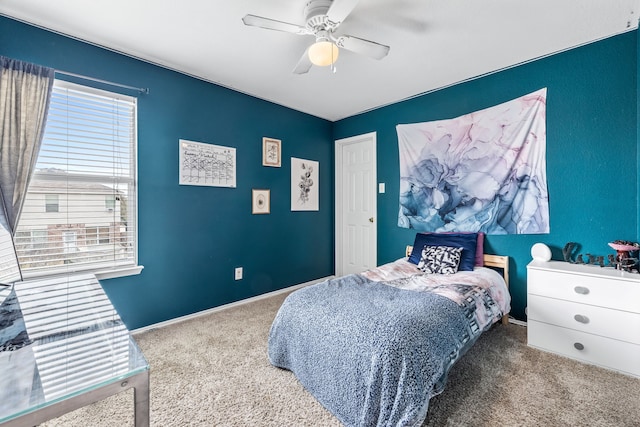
(272, 24)
(304, 64)
(340, 9)
(363, 47)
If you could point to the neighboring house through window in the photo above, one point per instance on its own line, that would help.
(85, 176)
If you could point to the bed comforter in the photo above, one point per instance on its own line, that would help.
(374, 354)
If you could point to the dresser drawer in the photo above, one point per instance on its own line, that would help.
(585, 289)
(601, 351)
(616, 324)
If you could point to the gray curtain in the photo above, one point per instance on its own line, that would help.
(25, 91)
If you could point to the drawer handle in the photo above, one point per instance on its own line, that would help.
(581, 290)
(578, 346)
(581, 318)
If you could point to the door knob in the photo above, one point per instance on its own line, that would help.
(371, 219)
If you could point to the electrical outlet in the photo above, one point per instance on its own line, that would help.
(238, 273)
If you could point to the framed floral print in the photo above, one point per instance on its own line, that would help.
(271, 152)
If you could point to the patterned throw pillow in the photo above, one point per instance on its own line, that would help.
(467, 241)
(440, 259)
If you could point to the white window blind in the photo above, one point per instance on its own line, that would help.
(80, 212)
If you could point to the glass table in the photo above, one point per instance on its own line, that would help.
(63, 346)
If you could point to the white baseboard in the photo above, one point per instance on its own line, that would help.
(517, 322)
(227, 306)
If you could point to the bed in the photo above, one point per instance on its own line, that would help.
(374, 347)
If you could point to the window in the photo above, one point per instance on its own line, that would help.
(97, 235)
(110, 202)
(39, 239)
(103, 236)
(91, 235)
(31, 239)
(86, 176)
(51, 203)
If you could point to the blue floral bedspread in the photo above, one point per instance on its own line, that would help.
(370, 353)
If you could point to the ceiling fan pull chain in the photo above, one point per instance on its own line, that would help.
(333, 64)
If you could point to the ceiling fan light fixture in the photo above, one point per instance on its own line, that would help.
(323, 53)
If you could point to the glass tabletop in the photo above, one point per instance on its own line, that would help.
(60, 337)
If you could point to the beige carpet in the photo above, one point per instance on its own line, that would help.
(213, 371)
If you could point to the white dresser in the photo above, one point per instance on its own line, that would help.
(585, 312)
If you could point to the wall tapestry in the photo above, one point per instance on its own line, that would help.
(207, 164)
(484, 171)
(304, 185)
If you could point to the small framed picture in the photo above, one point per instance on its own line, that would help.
(271, 152)
(260, 201)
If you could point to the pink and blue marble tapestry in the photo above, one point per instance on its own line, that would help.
(484, 171)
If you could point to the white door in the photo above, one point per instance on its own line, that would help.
(70, 241)
(356, 204)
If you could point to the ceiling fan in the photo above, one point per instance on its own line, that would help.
(322, 20)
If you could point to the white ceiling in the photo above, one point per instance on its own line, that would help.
(434, 43)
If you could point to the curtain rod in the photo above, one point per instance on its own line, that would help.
(92, 79)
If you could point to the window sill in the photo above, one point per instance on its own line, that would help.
(121, 272)
(106, 273)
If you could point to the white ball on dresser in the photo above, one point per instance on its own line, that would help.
(540, 252)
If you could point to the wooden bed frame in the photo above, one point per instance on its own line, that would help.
(492, 261)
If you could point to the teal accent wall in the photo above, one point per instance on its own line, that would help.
(192, 238)
(592, 149)
(637, 63)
